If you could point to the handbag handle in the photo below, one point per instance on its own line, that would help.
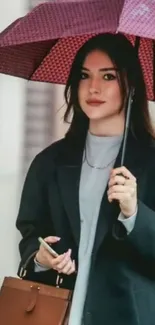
(23, 270)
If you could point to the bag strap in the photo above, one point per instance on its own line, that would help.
(23, 270)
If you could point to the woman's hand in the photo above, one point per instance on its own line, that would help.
(123, 187)
(62, 263)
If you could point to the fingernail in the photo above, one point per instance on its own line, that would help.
(58, 238)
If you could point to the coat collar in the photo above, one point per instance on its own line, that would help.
(69, 163)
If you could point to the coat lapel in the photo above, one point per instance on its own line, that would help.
(68, 174)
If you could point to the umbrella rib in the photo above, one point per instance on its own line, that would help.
(137, 44)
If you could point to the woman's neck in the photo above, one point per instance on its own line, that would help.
(107, 127)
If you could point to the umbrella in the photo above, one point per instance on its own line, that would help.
(41, 45)
(47, 34)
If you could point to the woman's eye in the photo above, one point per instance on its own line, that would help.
(109, 76)
(83, 75)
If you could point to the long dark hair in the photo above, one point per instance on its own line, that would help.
(125, 59)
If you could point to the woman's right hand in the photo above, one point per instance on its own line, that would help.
(63, 263)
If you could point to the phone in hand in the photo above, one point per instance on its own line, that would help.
(48, 247)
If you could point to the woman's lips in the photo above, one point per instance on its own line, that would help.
(94, 102)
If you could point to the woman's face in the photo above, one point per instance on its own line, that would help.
(99, 90)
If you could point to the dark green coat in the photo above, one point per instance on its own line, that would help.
(121, 289)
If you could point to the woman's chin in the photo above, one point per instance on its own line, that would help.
(95, 117)
(95, 113)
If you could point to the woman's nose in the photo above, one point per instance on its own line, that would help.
(94, 86)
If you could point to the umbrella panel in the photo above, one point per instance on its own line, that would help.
(23, 60)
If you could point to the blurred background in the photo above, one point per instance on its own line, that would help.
(31, 118)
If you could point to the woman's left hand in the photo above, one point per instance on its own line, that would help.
(123, 187)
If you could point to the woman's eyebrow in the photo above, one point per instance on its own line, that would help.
(103, 69)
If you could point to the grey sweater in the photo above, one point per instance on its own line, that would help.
(100, 151)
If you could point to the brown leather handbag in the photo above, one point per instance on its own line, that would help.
(24, 302)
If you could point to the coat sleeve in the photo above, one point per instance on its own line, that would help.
(142, 238)
(33, 220)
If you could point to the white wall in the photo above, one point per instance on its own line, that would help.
(11, 136)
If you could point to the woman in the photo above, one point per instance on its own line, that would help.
(79, 199)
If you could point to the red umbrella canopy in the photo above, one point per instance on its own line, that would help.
(42, 45)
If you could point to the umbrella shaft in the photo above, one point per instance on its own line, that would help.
(127, 124)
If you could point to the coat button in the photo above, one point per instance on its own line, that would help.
(88, 318)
